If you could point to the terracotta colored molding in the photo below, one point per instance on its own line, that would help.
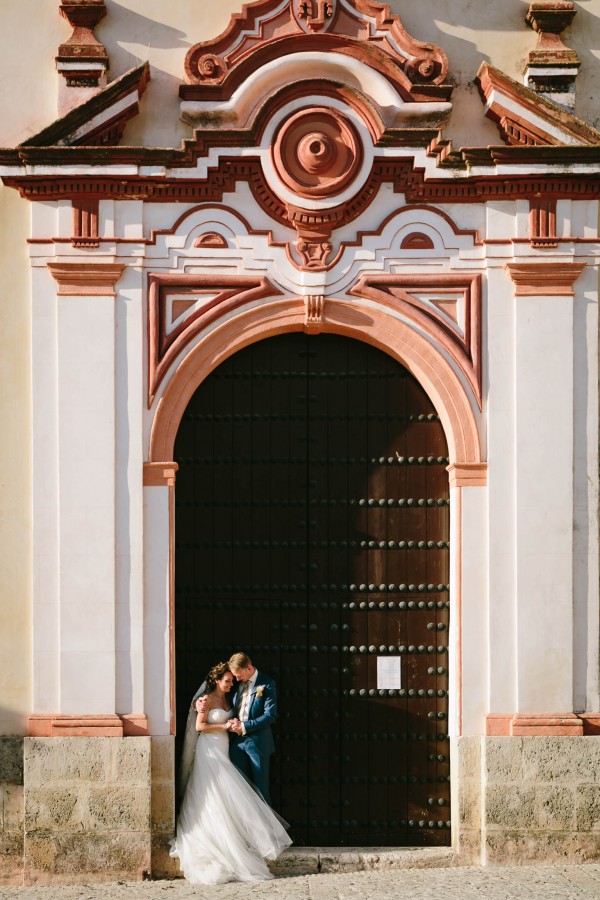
(549, 18)
(402, 173)
(397, 292)
(524, 116)
(497, 725)
(347, 317)
(313, 320)
(101, 119)
(267, 30)
(135, 725)
(82, 279)
(160, 474)
(591, 723)
(82, 60)
(225, 293)
(75, 726)
(467, 474)
(546, 723)
(542, 222)
(85, 222)
(527, 724)
(542, 279)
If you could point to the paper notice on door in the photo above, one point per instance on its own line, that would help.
(388, 673)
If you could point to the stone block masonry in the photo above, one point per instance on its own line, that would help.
(87, 808)
(11, 810)
(541, 799)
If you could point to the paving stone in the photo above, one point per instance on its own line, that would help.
(536, 882)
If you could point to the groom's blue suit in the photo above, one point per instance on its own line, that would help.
(251, 752)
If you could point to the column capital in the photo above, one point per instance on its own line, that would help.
(545, 279)
(160, 474)
(86, 279)
(467, 474)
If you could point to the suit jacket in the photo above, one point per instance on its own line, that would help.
(262, 713)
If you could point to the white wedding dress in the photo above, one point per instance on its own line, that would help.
(225, 830)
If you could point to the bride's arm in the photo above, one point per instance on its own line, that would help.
(203, 726)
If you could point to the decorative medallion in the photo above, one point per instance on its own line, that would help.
(317, 152)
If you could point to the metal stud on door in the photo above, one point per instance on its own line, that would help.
(312, 531)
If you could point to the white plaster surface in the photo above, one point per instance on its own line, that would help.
(544, 513)
(129, 513)
(156, 589)
(86, 391)
(500, 392)
(475, 651)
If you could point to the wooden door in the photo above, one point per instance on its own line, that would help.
(312, 532)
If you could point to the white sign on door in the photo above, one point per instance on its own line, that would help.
(388, 673)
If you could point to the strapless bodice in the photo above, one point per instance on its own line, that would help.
(218, 716)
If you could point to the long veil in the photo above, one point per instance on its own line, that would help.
(189, 741)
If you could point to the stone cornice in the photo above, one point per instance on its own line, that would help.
(403, 173)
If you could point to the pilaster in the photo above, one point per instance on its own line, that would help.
(543, 540)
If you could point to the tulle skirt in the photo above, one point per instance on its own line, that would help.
(225, 831)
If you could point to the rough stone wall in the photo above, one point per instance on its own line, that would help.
(466, 799)
(87, 808)
(11, 810)
(542, 799)
(163, 806)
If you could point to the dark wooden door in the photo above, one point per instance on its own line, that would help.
(312, 531)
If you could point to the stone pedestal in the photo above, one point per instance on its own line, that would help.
(87, 809)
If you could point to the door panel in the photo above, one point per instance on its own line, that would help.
(312, 531)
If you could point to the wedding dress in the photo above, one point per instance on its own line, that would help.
(225, 830)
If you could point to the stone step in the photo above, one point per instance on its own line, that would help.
(313, 860)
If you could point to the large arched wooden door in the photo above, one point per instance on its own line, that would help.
(312, 531)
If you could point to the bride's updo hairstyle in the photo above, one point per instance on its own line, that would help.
(215, 674)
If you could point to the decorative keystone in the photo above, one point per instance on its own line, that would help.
(552, 67)
(82, 60)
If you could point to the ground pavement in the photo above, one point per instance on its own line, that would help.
(571, 882)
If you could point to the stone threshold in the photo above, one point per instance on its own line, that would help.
(316, 860)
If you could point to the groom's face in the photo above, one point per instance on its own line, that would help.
(244, 674)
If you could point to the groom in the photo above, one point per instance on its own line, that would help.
(251, 740)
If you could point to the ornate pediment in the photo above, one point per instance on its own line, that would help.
(360, 30)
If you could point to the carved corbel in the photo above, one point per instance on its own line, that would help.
(314, 305)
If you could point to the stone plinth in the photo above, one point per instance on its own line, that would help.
(542, 799)
(87, 808)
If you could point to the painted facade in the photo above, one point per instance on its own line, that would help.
(425, 183)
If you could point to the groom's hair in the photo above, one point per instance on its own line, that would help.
(239, 661)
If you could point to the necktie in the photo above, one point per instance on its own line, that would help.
(243, 701)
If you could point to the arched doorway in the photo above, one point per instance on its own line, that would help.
(312, 531)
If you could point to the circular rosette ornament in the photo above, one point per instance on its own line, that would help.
(317, 153)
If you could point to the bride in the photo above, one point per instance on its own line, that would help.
(225, 830)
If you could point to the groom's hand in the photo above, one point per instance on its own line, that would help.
(201, 704)
(236, 725)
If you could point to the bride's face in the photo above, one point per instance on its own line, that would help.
(225, 682)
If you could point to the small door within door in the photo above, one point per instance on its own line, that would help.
(312, 529)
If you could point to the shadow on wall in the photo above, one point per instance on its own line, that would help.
(132, 38)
